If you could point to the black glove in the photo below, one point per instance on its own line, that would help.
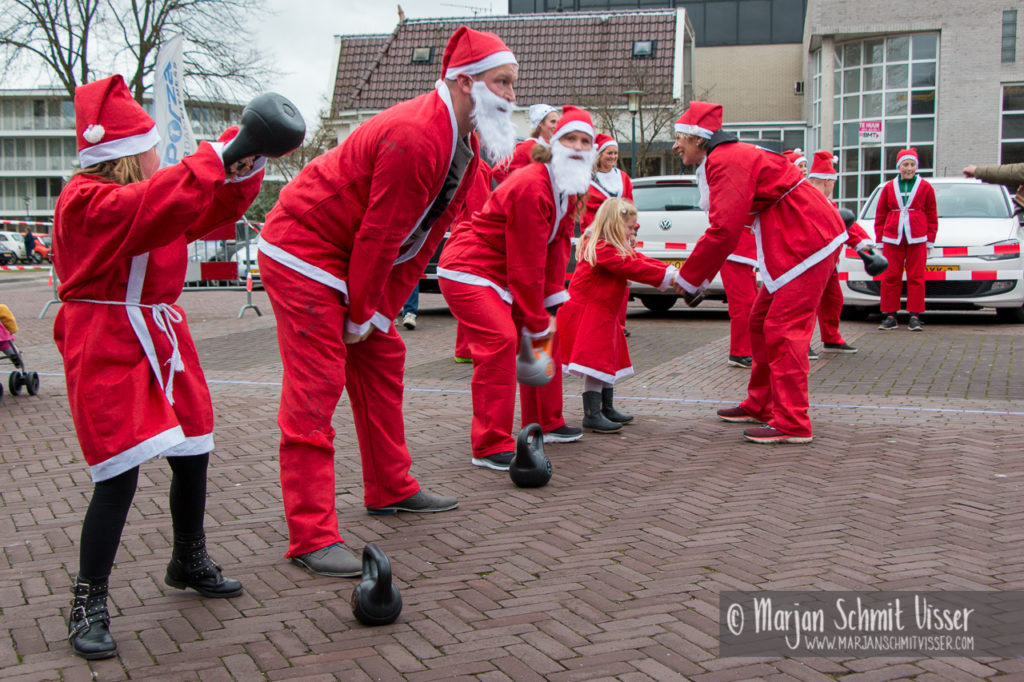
(693, 300)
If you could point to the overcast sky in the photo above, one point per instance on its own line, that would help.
(300, 37)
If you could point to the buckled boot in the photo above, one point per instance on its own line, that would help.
(593, 419)
(191, 566)
(89, 622)
(608, 410)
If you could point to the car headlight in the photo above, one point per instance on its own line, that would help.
(1003, 256)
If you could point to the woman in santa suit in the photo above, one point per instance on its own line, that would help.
(544, 118)
(607, 181)
(798, 234)
(502, 271)
(906, 222)
(135, 387)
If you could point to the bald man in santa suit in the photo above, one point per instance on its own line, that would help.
(341, 250)
(798, 234)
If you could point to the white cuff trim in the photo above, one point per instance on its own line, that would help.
(536, 335)
(556, 298)
(670, 273)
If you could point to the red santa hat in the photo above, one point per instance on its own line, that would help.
(472, 52)
(904, 154)
(602, 142)
(795, 156)
(110, 124)
(822, 167)
(702, 119)
(573, 119)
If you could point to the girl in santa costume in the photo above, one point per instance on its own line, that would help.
(823, 175)
(593, 344)
(798, 234)
(906, 221)
(135, 387)
(543, 118)
(503, 271)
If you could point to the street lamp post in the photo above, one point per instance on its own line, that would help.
(634, 107)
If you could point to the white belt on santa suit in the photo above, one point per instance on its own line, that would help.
(164, 317)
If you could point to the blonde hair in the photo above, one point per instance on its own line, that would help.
(612, 224)
(124, 170)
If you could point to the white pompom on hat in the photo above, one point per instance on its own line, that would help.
(109, 124)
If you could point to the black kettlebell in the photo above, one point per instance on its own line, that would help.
(376, 600)
(874, 263)
(530, 468)
(271, 126)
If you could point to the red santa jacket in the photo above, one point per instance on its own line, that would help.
(597, 193)
(121, 255)
(517, 244)
(794, 225)
(912, 223)
(353, 218)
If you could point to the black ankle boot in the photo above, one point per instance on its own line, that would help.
(89, 622)
(608, 410)
(592, 417)
(192, 567)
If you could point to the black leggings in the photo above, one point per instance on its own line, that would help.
(112, 498)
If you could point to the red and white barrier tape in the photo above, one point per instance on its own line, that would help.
(942, 275)
(960, 251)
(24, 267)
(24, 222)
(664, 246)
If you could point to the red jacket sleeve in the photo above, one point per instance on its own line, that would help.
(527, 229)
(931, 211)
(636, 268)
(857, 236)
(230, 200)
(882, 212)
(558, 262)
(627, 187)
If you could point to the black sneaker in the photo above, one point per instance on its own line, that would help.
(915, 324)
(839, 348)
(422, 502)
(889, 323)
(499, 461)
(812, 354)
(744, 361)
(563, 434)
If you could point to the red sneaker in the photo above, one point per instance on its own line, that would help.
(767, 435)
(736, 415)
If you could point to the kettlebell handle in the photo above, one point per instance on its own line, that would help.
(376, 567)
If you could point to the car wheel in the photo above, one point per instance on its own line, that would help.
(1010, 315)
(14, 383)
(658, 304)
(855, 313)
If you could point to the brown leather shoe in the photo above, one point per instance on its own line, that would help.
(769, 435)
(736, 415)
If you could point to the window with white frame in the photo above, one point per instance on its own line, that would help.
(1011, 147)
(884, 100)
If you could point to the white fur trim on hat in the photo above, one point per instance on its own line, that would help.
(905, 157)
(115, 149)
(607, 143)
(94, 133)
(573, 127)
(485, 64)
(694, 130)
(824, 176)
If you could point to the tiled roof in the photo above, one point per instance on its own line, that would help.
(578, 58)
(357, 55)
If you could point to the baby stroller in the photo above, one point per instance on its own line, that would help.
(19, 377)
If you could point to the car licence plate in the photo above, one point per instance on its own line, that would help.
(676, 263)
(941, 268)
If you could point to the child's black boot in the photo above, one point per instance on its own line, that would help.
(608, 409)
(593, 419)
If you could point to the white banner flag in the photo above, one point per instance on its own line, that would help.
(176, 139)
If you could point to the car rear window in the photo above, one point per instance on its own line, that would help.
(668, 197)
(960, 200)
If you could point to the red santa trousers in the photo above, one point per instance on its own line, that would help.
(781, 325)
(461, 344)
(740, 284)
(317, 366)
(912, 257)
(492, 333)
(829, 311)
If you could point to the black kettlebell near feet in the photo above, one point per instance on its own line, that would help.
(530, 468)
(376, 600)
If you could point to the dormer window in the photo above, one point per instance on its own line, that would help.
(422, 55)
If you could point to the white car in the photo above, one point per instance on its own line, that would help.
(15, 242)
(977, 261)
(671, 222)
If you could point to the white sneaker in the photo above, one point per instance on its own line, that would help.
(409, 321)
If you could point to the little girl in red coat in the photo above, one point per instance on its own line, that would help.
(135, 387)
(593, 342)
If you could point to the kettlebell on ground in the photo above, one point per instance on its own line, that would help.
(530, 468)
(375, 600)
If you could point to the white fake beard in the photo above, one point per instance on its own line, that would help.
(702, 186)
(492, 116)
(571, 169)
